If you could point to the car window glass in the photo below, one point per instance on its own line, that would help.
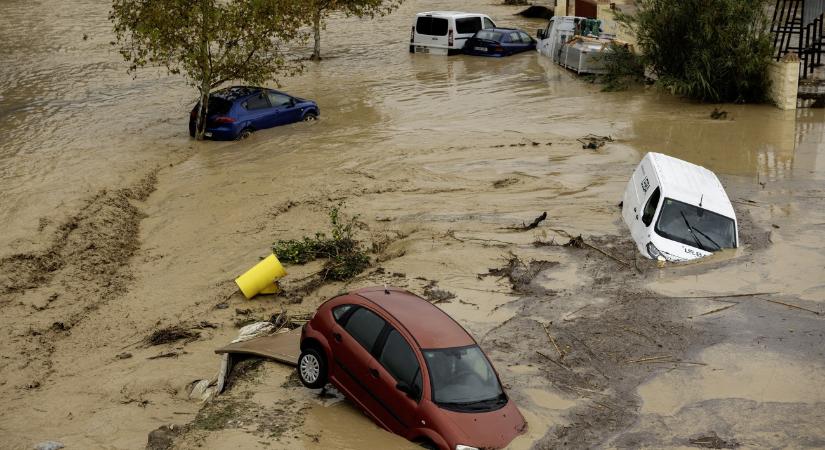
(398, 358)
(488, 23)
(365, 326)
(257, 102)
(431, 26)
(467, 25)
(525, 38)
(650, 208)
(277, 99)
(514, 37)
(218, 105)
(340, 311)
(488, 35)
(439, 27)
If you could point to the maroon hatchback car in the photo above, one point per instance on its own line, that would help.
(411, 368)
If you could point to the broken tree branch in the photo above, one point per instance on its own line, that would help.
(558, 363)
(718, 309)
(792, 306)
(553, 341)
(649, 359)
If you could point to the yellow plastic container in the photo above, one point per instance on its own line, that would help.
(262, 278)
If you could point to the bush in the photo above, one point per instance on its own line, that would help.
(711, 50)
(624, 67)
(345, 257)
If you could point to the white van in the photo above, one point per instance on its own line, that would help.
(678, 211)
(445, 32)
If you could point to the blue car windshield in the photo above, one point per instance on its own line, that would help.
(462, 379)
(488, 36)
(695, 226)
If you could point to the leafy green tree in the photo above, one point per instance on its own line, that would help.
(711, 50)
(210, 42)
(320, 9)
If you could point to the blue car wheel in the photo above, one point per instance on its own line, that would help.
(244, 134)
(310, 116)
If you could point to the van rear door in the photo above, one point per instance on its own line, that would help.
(430, 32)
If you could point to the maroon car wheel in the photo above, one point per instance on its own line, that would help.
(312, 369)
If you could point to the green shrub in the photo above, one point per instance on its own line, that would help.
(711, 50)
(624, 67)
(344, 255)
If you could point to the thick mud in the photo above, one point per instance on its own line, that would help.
(118, 228)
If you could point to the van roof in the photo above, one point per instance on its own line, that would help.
(690, 183)
(450, 14)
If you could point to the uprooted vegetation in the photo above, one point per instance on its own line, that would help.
(520, 274)
(171, 334)
(345, 255)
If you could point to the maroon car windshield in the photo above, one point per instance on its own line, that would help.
(463, 380)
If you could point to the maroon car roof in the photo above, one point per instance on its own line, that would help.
(430, 326)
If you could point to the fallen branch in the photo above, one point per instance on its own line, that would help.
(718, 309)
(535, 222)
(649, 359)
(553, 341)
(754, 294)
(558, 363)
(792, 306)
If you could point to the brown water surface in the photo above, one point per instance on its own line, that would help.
(419, 147)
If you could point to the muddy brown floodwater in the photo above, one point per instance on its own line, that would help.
(115, 224)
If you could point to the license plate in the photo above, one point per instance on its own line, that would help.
(207, 134)
(480, 49)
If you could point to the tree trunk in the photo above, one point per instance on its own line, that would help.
(316, 28)
(206, 74)
(200, 125)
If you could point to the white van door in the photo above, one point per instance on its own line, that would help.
(431, 34)
(466, 27)
(648, 197)
(543, 44)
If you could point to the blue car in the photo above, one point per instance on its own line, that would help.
(235, 112)
(499, 42)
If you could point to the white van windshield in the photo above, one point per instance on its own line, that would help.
(695, 226)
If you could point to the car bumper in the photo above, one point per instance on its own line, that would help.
(217, 133)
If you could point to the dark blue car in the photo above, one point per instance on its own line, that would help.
(235, 112)
(499, 42)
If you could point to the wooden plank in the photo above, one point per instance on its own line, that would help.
(282, 347)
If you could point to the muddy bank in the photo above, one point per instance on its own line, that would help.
(84, 265)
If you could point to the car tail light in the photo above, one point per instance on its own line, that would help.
(193, 114)
(412, 35)
(223, 119)
(450, 39)
(498, 48)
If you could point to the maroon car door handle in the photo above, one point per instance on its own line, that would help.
(337, 336)
(373, 372)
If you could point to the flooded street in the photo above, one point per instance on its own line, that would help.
(115, 224)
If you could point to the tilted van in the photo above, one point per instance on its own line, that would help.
(677, 211)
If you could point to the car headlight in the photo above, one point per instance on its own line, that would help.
(464, 447)
(653, 251)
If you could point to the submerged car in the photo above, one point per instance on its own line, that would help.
(499, 42)
(445, 32)
(678, 211)
(236, 112)
(412, 368)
